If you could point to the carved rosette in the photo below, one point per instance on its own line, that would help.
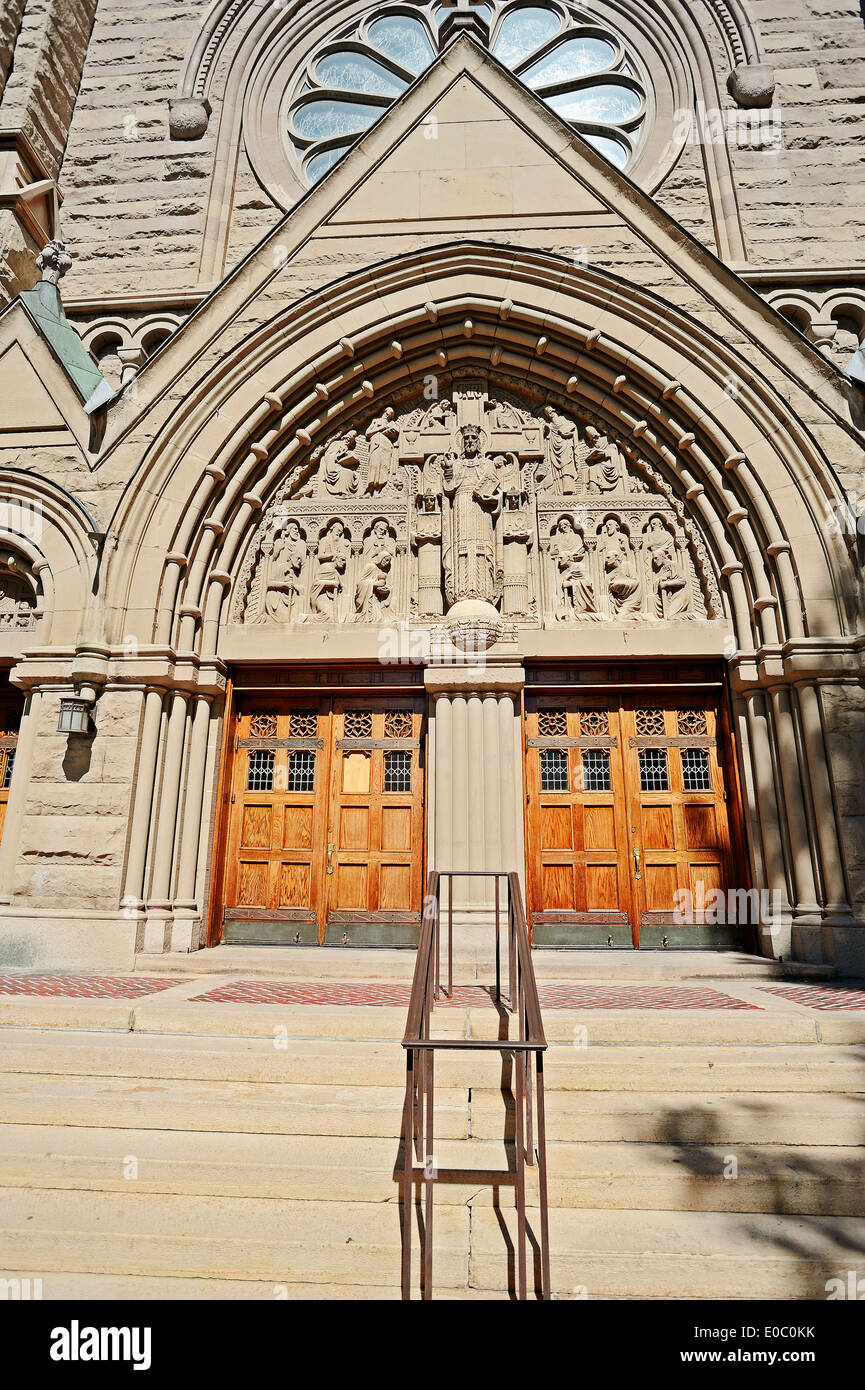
(474, 499)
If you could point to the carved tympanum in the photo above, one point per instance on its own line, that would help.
(533, 513)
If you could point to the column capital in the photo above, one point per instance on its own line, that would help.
(474, 680)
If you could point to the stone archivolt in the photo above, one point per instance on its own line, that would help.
(474, 497)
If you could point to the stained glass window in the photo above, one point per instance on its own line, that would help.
(586, 76)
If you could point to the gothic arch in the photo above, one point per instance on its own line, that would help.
(684, 405)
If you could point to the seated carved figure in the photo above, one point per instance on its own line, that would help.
(340, 462)
(670, 581)
(602, 468)
(623, 582)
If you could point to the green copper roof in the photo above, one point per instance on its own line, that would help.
(44, 306)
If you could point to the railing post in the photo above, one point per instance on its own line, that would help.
(520, 1176)
(408, 1128)
(542, 1181)
(429, 1169)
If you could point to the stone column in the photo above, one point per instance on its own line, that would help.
(133, 892)
(476, 780)
(187, 914)
(806, 911)
(775, 936)
(159, 898)
(838, 911)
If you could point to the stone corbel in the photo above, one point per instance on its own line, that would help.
(188, 117)
(752, 84)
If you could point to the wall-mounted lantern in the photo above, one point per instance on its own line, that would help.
(75, 715)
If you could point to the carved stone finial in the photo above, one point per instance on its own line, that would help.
(54, 261)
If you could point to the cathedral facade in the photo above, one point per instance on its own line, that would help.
(431, 436)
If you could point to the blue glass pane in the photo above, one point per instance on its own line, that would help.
(354, 72)
(320, 163)
(319, 120)
(573, 58)
(522, 31)
(607, 102)
(610, 149)
(403, 39)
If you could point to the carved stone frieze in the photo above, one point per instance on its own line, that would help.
(532, 515)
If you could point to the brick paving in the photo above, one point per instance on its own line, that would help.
(824, 997)
(84, 986)
(469, 996)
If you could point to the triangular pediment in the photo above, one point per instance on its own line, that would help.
(468, 152)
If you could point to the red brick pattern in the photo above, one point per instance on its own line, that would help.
(469, 996)
(84, 986)
(825, 997)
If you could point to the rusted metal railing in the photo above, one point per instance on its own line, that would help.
(421, 1047)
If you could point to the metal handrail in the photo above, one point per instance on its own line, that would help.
(420, 1048)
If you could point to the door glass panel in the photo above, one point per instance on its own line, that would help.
(696, 773)
(7, 770)
(301, 771)
(397, 772)
(653, 770)
(554, 770)
(259, 776)
(596, 770)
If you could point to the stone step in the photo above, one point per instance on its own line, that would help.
(318, 1062)
(782, 1178)
(471, 962)
(375, 1111)
(599, 1253)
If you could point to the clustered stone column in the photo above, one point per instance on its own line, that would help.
(476, 772)
(795, 839)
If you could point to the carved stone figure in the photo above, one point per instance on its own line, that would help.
(440, 416)
(383, 435)
(339, 465)
(471, 522)
(373, 592)
(617, 557)
(602, 468)
(284, 565)
(576, 587)
(561, 436)
(670, 581)
(330, 562)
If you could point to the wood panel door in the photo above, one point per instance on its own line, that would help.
(325, 838)
(578, 840)
(678, 820)
(628, 827)
(274, 876)
(375, 834)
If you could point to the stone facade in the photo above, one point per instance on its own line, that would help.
(475, 385)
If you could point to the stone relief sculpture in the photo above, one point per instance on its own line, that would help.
(531, 513)
(373, 593)
(331, 559)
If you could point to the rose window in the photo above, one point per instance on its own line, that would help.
(581, 70)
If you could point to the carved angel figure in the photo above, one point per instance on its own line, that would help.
(373, 592)
(440, 416)
(561, 436)
(383, 435)
(283, 594)
(340, 463)
(576, 587)
(330, 562)
(617, 558)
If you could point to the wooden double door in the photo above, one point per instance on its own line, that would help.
(628, 821)
(325, 823)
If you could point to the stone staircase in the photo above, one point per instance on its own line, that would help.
(192, 1151)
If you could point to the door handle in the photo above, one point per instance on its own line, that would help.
(636, 863)
(330, 850)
